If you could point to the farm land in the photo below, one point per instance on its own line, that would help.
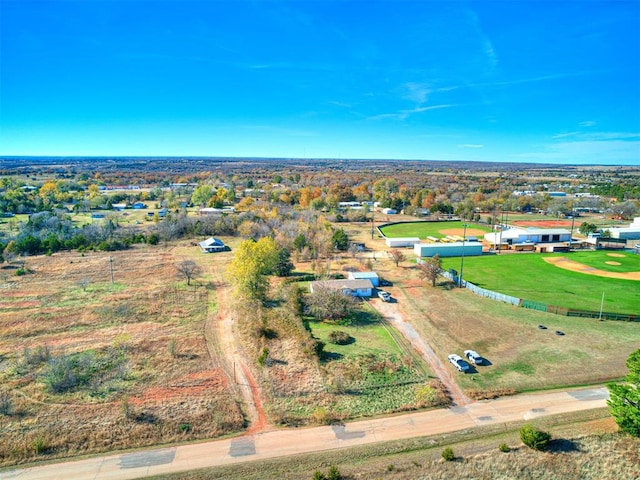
(147, 370)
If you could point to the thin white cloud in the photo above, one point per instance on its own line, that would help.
(588, 123)
(471, 145)
(404, 114)
(565, 135)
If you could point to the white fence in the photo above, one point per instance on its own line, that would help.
(483, 292)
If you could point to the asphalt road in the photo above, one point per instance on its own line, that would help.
(282, 442)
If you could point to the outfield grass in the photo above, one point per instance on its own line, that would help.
(531, 278)
(426, 229)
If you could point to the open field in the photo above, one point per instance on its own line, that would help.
(530, 277)
(88, 366)
(432, 229)
(522, 356)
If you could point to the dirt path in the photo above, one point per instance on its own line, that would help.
(223, 343)
(392, 315)
(170, 460)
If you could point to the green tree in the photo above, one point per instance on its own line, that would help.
(586, 228)
(534, 438)
(283, 266)
(624, 401)
(201, 194)
(340, 240)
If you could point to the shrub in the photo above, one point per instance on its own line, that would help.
(262, 359)
(338, 337)
(318, 475)
(448, 454)
(6, 404)
(503, 447)
(534, 438)
(333, 473)
(39, 445)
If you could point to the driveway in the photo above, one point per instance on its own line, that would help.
(393, 317)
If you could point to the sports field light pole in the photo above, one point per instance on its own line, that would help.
(573, 217)
(464, 236)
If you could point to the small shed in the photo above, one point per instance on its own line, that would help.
(371, 276)
(401, 242)
(211, 245)
(357, 288)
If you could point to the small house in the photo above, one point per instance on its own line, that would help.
(357, 288)
(371, 276)
(139, 205)
(211, 245)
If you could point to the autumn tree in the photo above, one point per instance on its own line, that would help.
(397, 256)
(430, 269)
(250, 265)
(624, 401)
(330, 304)
(188, 269)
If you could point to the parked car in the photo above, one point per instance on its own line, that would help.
(474, 357)
(459, 363)
(384, 296)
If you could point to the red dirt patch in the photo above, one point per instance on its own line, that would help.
(543, 223)
(460, 231)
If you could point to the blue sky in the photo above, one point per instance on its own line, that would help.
(543, 81)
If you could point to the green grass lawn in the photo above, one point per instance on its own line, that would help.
(531, 278)
(426, 229)
(370, 336)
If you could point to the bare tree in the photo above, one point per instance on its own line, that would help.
(397, 256)
(430, 269)
(188, 269)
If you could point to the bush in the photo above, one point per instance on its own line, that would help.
(262, 359)
(338, 337)
(534, 438)
(318, 475)
(503, 447)
(448, 454)
(333, 473)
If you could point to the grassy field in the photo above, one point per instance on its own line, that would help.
(87, 365)
(529, 277)
(429, 229)
(522, 356)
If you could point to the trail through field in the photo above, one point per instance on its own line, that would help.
(223, 343)
(392, 315)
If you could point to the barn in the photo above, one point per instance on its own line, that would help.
(453, 249)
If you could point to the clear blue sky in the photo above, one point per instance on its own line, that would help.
(542, 81)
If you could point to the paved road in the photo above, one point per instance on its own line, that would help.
(278, 443)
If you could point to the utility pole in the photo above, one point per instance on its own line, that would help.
(601, 305)
(111, 268)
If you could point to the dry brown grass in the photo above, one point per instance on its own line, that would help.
(170, 388)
